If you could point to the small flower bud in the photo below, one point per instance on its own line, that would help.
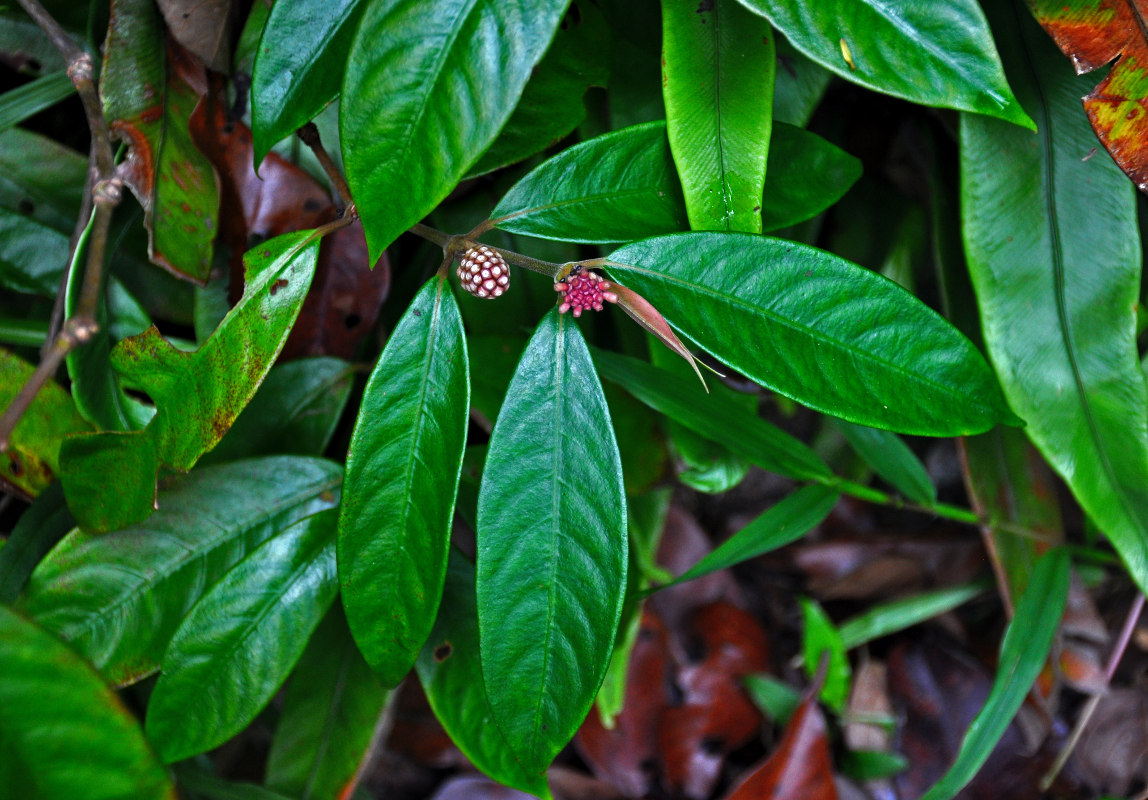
(582, 289)
(484, 272)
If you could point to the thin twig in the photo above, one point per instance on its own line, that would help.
(309, 135)
(452, 245)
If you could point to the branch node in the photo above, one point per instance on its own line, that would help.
(82, 68)
(108, 191)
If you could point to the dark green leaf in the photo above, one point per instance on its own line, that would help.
(45, 522)
(778, 526)
(110, 478)
(817, 329)
(806, 176)
(819, 636)
(1025, 648)
(240, 640)
(65, 733)
(294, 412)
(402, 477)
(118, 597)
(717, 80)
(329, 717)
(551, 546)
(451, 673)
(428, 85)
(713, 416)
(897, 615)
(892, 459)
(22, 102)
(44, 181)
(799, 85)
(32, 255)
(933, 54)
(299, 66)
(868, 765)
(192, 779)
(777, 699)
(492, 362)
(1055, 259)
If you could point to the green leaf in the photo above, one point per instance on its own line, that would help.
(713, 416)
(776, 699)
(898, 615)
(239, 642)
(117, 598)
(45, 523)
(779, 525)
(1025, 648)
(294, 412)
(31, 460)
(819, 636)
(450, 670)
(110, 478)
(799, 85)
(551, 546)
(428, 85)
(330, 711)
(65, 733)
(32, 255)
(402, 478)
(149, 106)
(552, 103)
(806, 176)
(868, 765)
(16, 105)
(44, 181)
(717, 80)
(1053, 251)
(193, 779)
(818, 329)
(892, 459)
(299, 66)
(932, 54)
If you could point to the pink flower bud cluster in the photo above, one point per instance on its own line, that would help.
(582, 290)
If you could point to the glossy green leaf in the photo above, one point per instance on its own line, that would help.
(43, 181)
(713, 416)
(819, 636)
(492, 362)
(40, 527)
(450, 669)
(779, 525)
(818, 329)
(402, 477)
(806, 176)
(551, 546)
(31, 460)
(32, 255)
(898, 615)
(717, 80)
(428, 85)
(1027, 642)
(65, 733)
(294, 412)
(238, 643)
(799, 85)
(16, 105)
(110, 478)
(552, 103)
(892, 459)
(1054, 255)
(299, 66)
(330, 714)
(150, 106)
(932, 54)
(117, 598)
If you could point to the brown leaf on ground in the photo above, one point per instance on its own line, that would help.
(1113, 751)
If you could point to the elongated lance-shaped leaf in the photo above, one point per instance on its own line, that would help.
(65, 732)
(551, 546)
(450, 670)
(117, 598)
(1055, 259)
(402, 479)
(428, 85)
(40, 527)
(817, 329)
(935, 54)
(892, 459)
(239, 642)
(717, 79)
(110, 478)
(1027, 642)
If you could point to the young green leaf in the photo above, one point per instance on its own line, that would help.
(820, 636)
(428, 85)
(238, 643)
(450, 670)
(110, 478)
(717, 80)
(16, 105)
(40, 527)
(935, 55)
(892, 459)
(551, 546)
(330, 715)
(65, 733)
(817, 329)
(1055, 259)
(806, 175)
(1025, 648)
(402, 477)
(117, 598)
(897, 615)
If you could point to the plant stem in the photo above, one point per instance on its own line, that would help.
(309, 135)
(457, 244)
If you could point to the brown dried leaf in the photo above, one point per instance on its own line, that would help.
(204, 27)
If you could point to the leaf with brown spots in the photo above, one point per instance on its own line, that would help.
(110, 478)
(1094, 33)
(149, 93)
